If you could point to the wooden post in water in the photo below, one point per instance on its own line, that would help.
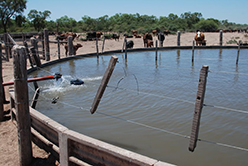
(22, 107)
(198, 107)
(2, 95)
(178, 38)
(103, 42)
(237, 60)
(123, 44)
(104, 83)
(46, 43)
(156, 54)
(193, 51)
(125, 41)
(70, 46)
(97, 52)
(221, 37)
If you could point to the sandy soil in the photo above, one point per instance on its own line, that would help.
(8, 129)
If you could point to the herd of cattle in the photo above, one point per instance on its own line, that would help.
(147, 38)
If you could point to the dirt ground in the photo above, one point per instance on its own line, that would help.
(8, 129)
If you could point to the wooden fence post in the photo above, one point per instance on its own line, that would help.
(156, 54)
(104, 83)
(221, 37)
(125, 41)
(178, 38)
(237, 60)
(103, 42)
(97, 52)
(22, 107)
(70, 46)
(46, 43)
(6, 46)
(28, 53)
(1, 87)
(43, 46)
(58, 48)
(198, 107)
(193, 51)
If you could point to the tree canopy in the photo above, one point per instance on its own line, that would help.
(38, 18)
(9, 9)
(13, 21)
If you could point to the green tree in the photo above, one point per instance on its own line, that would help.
(20, 20)
(66, 23)
(38, 18)
(208, 25)
(191, 18)
(9, 9)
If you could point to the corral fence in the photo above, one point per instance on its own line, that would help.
(69, 147)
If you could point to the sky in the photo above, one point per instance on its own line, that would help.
(232, 10)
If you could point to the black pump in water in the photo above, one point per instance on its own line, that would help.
(77, 82)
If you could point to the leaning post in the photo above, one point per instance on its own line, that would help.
(198, 107)
(22, 107)
(104, 83)
(46, 43)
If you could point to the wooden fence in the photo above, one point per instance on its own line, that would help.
(70, 147)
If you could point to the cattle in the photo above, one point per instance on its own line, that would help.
(166, 32)
(98, 34)
(75, 48)
(134, 32)
(128, 36)
(200, 38)
(161, 38)
(149, 43)
(137, 36)
(93, 35)
(115, 36)
(154, 32)
(146, 36)
(130, 44)
(64, 36)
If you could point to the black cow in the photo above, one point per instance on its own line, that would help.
(161, 38)
(130, 44)
(115, 36)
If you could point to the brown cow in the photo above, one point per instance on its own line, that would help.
(134, 32)
(98, 34)
(137, 36)
(149, 43)
(64, 36)
(199, 38)
(75, 48)
(154, 32)
(146, 37)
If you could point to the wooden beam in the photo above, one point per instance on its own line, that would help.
(104, 83)
(198, 107)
